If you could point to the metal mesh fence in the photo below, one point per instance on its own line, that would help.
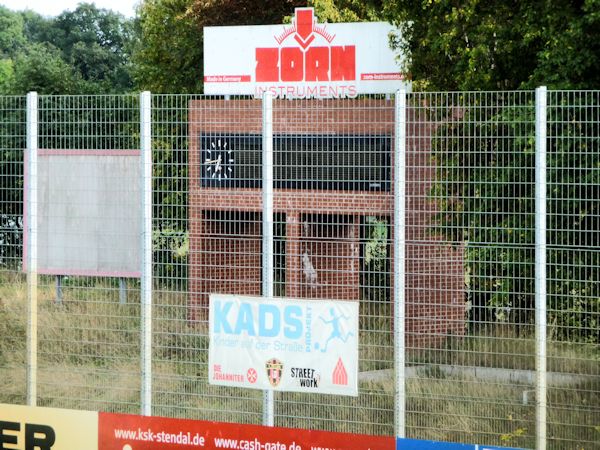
(573, 267)
(13, 291)
(88, 298)
(470, 285)
(334, 162)
(470, 257)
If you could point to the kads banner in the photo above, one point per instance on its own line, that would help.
(284, 344)
(305, 59)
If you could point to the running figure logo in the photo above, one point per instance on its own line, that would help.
(337, 332)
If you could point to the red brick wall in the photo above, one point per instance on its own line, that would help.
(225, 255)
(324, 258)
(434, 281)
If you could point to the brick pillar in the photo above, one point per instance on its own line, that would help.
(198, 303)
(354, 238)
(293, 271)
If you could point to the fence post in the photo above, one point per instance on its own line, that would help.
(540, 264)
(31, 245)
(267, 225)
(400, 262)
(146, 241)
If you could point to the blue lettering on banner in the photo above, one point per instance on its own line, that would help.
(244, 320)
(221, 323)
(269, 320)
(416, 444)
(293, 328)
(308, 335)
(268, 315)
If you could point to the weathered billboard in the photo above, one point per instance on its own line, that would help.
(89, 216)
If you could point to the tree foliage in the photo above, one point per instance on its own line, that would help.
(169, 54)
(96, 43)
(41, 68)
(490, 45)
(11, 32)
(346, 10)
(485, 192)
(81, 51)
(485, 156)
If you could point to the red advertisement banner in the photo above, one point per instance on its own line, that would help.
(129, 432)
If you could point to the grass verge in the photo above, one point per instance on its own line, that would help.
(88, 356)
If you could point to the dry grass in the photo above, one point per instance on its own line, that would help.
(89, 359)
(498, 349)
(13, 313)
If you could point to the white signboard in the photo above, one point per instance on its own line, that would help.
(89, 218)
(302, 60)
(283, 344)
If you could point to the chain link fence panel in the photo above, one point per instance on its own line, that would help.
(470, 287)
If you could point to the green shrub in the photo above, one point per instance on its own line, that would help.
(484, 189)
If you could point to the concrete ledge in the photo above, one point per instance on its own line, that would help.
(489, 374)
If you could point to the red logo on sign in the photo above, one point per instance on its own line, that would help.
(274, 371)
(305, 63)
(252, 375)
(340, 376)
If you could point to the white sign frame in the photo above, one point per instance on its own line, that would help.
(280, 344)
(232, 62)
(88, 213)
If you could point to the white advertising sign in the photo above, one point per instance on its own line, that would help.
(302, 60)
(284, 344)
(89, 213)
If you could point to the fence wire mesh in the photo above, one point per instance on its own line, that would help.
(333, 197)
(13, 291)
(470, 249)
(88, 296)
(573, 267)
(469, 255)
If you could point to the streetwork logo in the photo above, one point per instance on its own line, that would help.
(274, 371)
(304, 62)
(307, 377)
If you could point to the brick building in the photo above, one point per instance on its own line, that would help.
(321, 211)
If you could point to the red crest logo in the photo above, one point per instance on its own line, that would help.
(274, 371)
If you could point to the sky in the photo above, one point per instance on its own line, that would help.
(55, 7)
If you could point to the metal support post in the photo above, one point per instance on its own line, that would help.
(122, 291)
(540, 264)
(267, 220)
(32, 245)
(400, 262)
(59, 290)
(146, 240)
